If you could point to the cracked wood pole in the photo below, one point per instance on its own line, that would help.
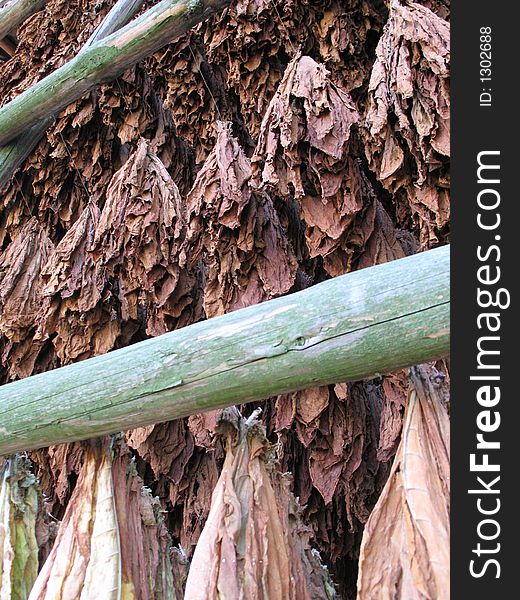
(13, 154)
(14, 13)
(348, 328)
(103, 61)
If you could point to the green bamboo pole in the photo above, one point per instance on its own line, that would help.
(15, 12)
(349, 328)
(13, 154)
(118, 16)
(103, 61)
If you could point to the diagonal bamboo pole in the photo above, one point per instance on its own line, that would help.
(15, 12)
(119, 15)
(352, 327)
(16, 151)
(103, 61)
(13, 154)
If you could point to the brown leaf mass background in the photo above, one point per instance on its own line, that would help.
(272, 147)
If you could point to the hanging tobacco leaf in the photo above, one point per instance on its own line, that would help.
(253, 544)
(405, 549)
(112, 542)
(85, 561)
(306, 148)
(21, 297)
(152, 569)
(118, 268)
(248, 47)
(236, 232)
(408, 116)
(18, 544)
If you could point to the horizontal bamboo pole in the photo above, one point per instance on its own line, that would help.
(349, 328)
(13, 154)
(15, 12)
(103, 61)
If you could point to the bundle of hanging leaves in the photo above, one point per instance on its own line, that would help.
(112, 541)
(274, 146)
(18, 539)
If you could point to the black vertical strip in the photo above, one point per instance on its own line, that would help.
(484, 266)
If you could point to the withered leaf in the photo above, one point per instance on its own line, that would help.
(405, 547)
(236, 232)
(21, 297)
(20, 285)
(112, 542)
(253, 545)
(306, 148)
(119, 265)
(408, 115)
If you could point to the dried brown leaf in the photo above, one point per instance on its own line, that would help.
(405, 547)
(396, 391)
(307, 148)
(112, 541)
(21, 297)
(87, 544)
(119, 268)
(248, 548)
(236, 232)
(408, 115)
